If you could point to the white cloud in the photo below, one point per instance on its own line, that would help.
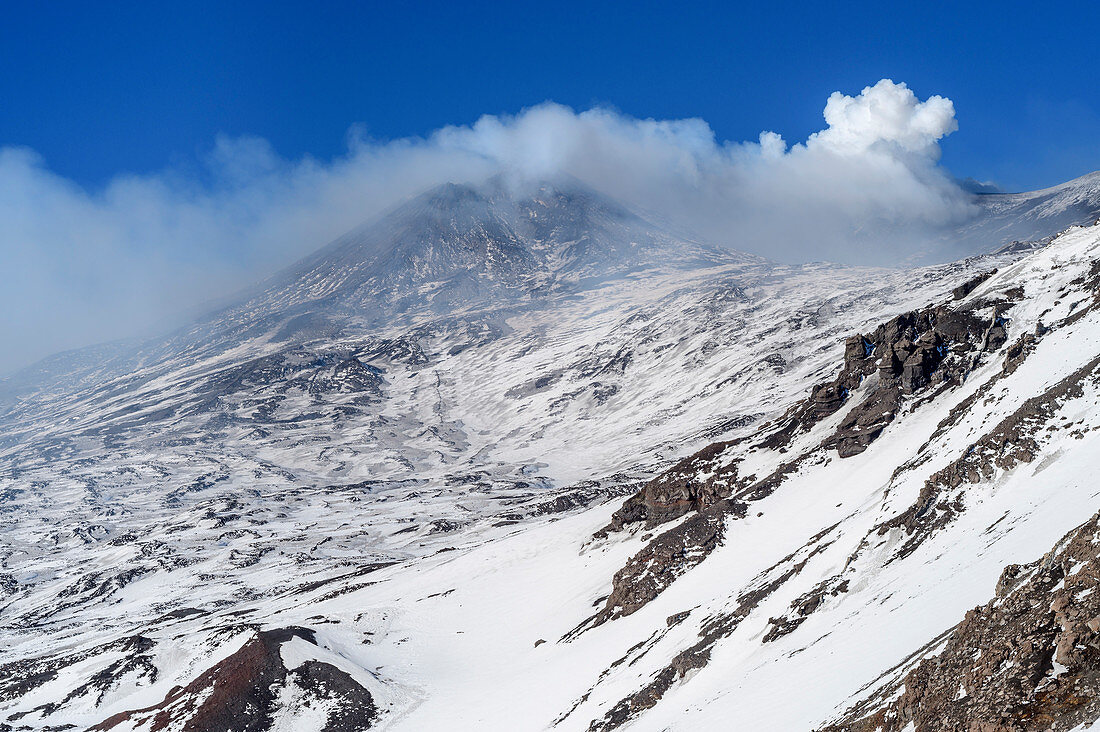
(92, 265)
(886, 113)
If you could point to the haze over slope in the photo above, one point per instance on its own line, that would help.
(388, 485)
(116, 262)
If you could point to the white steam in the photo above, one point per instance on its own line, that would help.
(84, 266)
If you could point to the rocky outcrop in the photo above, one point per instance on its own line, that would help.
(665, 558)
(626, 709)
(903, 356)
(803, 607)
(1020, 350)
(241, 693)
(693, 484)
(906, 355)
(971, 284)
(348, 376)
(1027, 660)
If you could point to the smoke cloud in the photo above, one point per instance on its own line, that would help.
(85, 266)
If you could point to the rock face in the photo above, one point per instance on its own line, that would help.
(906, 355)
(1027, 660)
(693, 484)
(967, 287)
(669, 555)
(908, 362)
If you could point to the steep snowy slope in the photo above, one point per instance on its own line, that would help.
(1003, 219)
(1033, 215)
(821, 586)
(388, 490)
(830, 577)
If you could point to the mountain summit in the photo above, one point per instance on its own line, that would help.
(462, 245)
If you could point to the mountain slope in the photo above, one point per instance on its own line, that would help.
(617, 478)
(453, 251)
(869, 559)
(1007, 219)
(1035, 214)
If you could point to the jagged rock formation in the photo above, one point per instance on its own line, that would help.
(935, 347)
(908, 354)
(932, 348)
(693, 484)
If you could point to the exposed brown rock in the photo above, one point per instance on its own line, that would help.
(908, 353)
(803, 607)
(1019, 350)
(970, 285)
(692, 484)
(1027, 660)
(693, 658)
(238, 693)
(665, 558)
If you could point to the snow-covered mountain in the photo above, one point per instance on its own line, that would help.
(1003, 220)
(459, 246)
(1034, 215)
(522, 459)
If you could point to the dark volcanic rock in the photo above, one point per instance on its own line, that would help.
(826, 399)
(664, 559)
(860, 427)
(970, 285)
(349, 375)
(692, 484)
(353, 708)
(903, 356)
(693, 658)
(239, 693)
(908, 354)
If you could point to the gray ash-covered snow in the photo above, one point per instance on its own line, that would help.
(402, 448)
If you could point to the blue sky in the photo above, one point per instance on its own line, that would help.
(156, 156)
(102, 88)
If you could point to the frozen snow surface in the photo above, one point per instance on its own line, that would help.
(372, 495)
